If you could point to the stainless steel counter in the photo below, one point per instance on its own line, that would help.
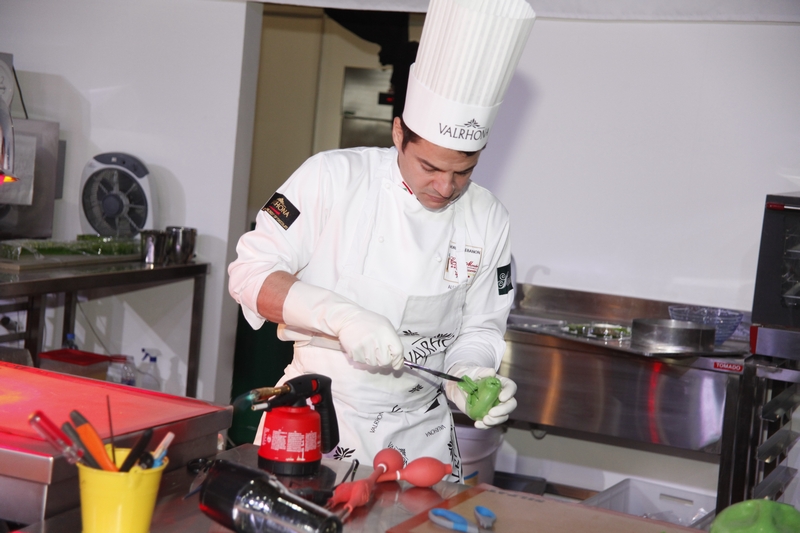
(681, 404)
(393, 503)
(37, 482)
(673, 406)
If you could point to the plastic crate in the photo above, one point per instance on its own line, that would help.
(651, 500)
(75, 362)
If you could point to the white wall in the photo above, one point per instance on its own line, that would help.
(288, 75)
(165, 80)
(635, 157)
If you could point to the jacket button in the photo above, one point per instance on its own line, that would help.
(380, 239)
(438, 259)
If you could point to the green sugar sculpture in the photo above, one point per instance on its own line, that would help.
(481, 396)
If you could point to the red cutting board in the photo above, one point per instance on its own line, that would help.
(519, 512)
(24, 390)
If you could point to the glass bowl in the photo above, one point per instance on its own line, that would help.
(724, 320)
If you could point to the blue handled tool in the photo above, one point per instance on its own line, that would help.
(450, 520)
(455, 522)
(485, 517)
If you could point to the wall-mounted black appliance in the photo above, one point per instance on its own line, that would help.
(776, 301)
(759, 431)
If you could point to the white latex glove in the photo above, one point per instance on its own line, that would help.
(497, 414)
(366, 337)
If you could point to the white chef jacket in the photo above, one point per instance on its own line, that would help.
(347, 207)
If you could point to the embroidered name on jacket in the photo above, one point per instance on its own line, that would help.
(282, 210)
(504, 279)
(472, 256)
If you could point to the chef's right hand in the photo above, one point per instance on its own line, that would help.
(370, 338)
(366, 337)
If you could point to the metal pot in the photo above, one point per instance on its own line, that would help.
(180, 244)
(660, 335)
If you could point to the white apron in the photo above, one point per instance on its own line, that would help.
(377, 407)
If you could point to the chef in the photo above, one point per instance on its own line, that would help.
(367, 257)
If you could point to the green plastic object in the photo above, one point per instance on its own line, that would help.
(757, 516)
(481, 396)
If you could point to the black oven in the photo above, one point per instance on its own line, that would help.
(776, 301)
(758, 433)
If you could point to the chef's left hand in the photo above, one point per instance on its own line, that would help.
(497, 414)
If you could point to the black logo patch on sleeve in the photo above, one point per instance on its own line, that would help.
(282, 210)
(504, 279)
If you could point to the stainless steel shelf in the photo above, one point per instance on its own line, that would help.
(778, 444)
(781, 405)
(34, 285)
(775, 483)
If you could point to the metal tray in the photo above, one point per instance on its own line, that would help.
(37, 482)
(659, 335)
(729, 349)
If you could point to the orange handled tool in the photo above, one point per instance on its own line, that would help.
(92, 441)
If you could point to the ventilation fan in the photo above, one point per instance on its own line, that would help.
(115, 196)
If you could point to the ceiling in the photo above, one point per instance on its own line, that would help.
(656, 10)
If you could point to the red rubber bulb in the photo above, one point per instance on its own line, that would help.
(390, 458)
(354, 494)
(421, 472)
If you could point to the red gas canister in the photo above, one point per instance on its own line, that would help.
(295, 436)
(291, 435)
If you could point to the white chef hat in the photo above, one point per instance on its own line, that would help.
(467, 55)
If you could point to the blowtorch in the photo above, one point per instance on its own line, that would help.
(294, 435)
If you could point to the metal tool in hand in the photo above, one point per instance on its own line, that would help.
(442, 375)
(481, 395)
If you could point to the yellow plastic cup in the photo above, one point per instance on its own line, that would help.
(118, 502)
